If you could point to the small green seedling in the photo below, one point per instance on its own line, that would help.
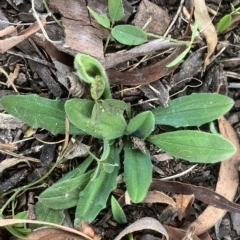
(18, 230)
(105, 118)
(226, 20)
(131, 35)
(117, 211)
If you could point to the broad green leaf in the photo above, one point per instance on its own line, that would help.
(94, 118)
(88, 68)
(39, 112)
(137, 172)
(113, 106)
(115, 9)
(193, 110)
(141, 125)
(46, 214)
(117, 211)
(64, 194)
(224, 23)
(194, 146)
(94, 197)
(102, 19)
(97, 87)
(179, 58)
(129, 35)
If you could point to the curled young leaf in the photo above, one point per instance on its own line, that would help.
(97, 87)
(88, 68)
(194, 146)
(141, 125)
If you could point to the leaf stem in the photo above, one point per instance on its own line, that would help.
(166, 38)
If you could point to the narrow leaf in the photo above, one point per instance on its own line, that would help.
(193, 110)
(137, 172)
(129, 35)
(115, 9)
(94, 197)
(78, 171)
(224, 23)
(179, 58)
(141, 125)
(117, 211)
(102, 19)
(194, 31)
(194, 146)
(88, 68)
(39, 112)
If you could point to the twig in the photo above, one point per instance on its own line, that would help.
(175, 18)
(41, 26)
(35, 59)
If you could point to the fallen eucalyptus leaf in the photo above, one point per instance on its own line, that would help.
(147, 223)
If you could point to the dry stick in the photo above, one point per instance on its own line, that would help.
(35, 59)
(174, 19)
(35, 15)
(22, 24)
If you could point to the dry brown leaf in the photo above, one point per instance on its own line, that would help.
(227, 181)
(206, 27)
(205, 236)
(203, 194)
(178, 233)
(158, 197)
(52, 234)
(142, 224)
(7, 121)
(14, 75)
(13, 41)
(7, 31)
(9, 162)
(147, 74)
(183, 203)
(70, 231)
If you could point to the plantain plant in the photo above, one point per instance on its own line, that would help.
(104, 118)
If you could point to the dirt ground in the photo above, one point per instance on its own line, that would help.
(201, 201)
